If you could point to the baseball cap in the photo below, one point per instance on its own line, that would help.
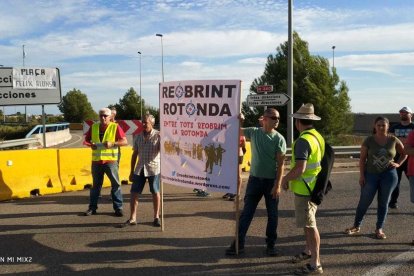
(406, 109)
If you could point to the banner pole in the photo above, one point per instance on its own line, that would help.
(162, 204)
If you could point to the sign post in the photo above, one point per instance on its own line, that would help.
(264, 88)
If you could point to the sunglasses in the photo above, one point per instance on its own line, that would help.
(274, 118)
(102, 115)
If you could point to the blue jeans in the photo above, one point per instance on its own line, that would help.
(98, 172)
(384, 183)
(257, 188)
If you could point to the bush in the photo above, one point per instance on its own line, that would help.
(345, 140)
(14, 132)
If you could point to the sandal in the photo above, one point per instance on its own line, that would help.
(380, 235)
(353, 230)
(127, 223)
(300, 257)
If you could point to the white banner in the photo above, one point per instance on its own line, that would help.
(200, 134)
(35, 78)
(29, 86)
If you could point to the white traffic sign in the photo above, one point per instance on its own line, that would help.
(277, 99)
(264, 88)
(29, 86)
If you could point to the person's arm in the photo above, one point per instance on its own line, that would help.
(409, 146)
(400, 149)
(294, 173)
(133, 163)
(280, 157)
(88, 137)
(362, 164)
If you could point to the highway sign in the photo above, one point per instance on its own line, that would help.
(264, 88)
(29, 86)
(277, 99)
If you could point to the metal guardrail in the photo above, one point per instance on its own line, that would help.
(19, 142)
(339, 150)
(49, 128)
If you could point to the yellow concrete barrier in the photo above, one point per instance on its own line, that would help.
(75, 168)
(247, 157)
(28, 172)
(125, 165)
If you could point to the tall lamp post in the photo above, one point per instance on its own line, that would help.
(140, 94)
(333, 57)
(162, 57)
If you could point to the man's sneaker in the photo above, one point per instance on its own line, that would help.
(119, 213)
(271, 251)
(226, 196)
(309, 270)
(203, 194)
(231, 251)
(156, 222)
(393, 205)
(196, 190)
(89, 212)
(232, 197)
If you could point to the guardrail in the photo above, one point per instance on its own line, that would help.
(29, 142)
(49, 128)
(339, 150)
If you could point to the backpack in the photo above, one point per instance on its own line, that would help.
(323, 185)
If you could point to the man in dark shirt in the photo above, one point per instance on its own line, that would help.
(401, 131)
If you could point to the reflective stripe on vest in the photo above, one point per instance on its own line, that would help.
(313, 164)
(109, 136)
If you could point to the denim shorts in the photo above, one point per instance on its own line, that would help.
(138, 183)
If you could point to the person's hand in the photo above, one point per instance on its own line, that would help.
(361, 181)
(93, 146)
(285, 185)
(393, 165)
(108, 144)
(131, 175)
(276, 191)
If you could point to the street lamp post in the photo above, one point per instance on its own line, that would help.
(140, 94)
(162, 57)
(333, 56)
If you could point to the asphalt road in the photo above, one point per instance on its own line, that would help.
(47, 236)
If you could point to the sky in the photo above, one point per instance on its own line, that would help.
(94, 43)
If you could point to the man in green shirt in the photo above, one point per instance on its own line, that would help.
(268, 154)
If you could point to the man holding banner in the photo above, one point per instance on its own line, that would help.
(268, 154)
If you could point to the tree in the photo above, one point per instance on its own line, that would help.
(76, 108)
(313, 82)
(129, 106)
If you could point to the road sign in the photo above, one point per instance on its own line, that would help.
(133, 127)
(277, 99)
(264, 88)
(29, 86)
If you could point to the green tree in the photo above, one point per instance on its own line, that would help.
(313, 82)
(129, 106)
(76, 108)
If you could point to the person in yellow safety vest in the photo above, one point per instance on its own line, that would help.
(307, 153)
(104, 138)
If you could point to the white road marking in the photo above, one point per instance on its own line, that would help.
(393, 264)
(337, 172)
(75, 142)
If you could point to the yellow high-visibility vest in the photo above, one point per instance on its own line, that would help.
(313, 164)
(102, 153)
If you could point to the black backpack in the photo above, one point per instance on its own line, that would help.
(323, 185)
